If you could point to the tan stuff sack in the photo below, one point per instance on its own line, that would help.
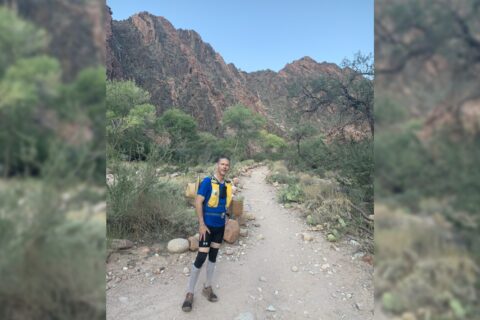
(232, 231)
(192, 188)
(237, 207)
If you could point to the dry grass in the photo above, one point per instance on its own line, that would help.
(420, 267)
(142, 205)
(318, 189)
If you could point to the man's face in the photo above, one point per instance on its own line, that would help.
(223, 165)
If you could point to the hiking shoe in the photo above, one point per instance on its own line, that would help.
(208, 292)
(187, 304)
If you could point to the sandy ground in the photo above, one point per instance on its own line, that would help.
(329, 284)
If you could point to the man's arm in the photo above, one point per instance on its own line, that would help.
(199, 208)
(202, 229)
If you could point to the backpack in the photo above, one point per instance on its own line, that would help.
(214, 198)
(192, 188)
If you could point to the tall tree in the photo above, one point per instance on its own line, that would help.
(246, 126)
(130, 119)
(29, 83)
(345, 98)
(181, 131)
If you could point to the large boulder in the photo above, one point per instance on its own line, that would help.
(232, 231)
(178, 245)
(121, 244)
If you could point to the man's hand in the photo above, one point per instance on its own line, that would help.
(203, 231)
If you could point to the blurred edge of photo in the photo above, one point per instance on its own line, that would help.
(52, 159)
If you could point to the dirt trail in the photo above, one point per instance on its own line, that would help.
(328, 285)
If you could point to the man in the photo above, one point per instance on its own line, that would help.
(213, 198)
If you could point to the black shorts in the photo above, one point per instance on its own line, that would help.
(215, 235)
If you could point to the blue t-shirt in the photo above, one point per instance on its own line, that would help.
(214, 217)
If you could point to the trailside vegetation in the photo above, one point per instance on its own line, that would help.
(52, 169)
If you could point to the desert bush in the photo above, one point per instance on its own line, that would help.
(144, 206)
(400, 163)
(209, 147)
(388, 112)
(53, 153)
(273, 146)
(420, 267)
(326, 201)
(316, 188)
(54, 264)
(334, 212)
(327, 205)
(291, 193)
(306, 179)
(352, 162)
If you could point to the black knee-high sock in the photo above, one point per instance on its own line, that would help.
(212, 255)
(201, 257)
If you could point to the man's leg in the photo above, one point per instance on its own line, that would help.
(216, 238)
(197, 265)
(212, 258)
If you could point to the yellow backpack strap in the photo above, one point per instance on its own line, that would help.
(214, 196)
(228, 184)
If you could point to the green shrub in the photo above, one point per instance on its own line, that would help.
(245, 126)
(291, 193)
(400, 162)
(391, 302)
(388, 112)
(142, 206)
(419, 266)
(334, 212)
(327, 202)
(55, 265)
(351, 160)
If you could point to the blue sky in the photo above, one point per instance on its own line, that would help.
(267, 34)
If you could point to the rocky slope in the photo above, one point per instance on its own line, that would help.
(273, 87)
(180, 70)
(76, 30)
